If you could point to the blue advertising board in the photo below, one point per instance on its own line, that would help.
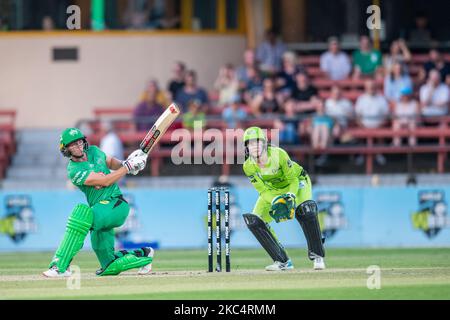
(175, 218)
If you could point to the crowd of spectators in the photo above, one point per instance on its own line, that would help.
(272, 82)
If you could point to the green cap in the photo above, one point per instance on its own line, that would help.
(68, 136)
(254, 133)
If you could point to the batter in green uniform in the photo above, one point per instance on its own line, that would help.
(89, 169)
(284, 190)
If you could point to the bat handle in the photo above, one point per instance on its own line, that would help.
(143, 150)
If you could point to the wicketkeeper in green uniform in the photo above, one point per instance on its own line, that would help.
(89, 169)
(284, 190)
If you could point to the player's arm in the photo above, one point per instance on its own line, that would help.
(95, 179)
(289, 172)
(113, 163)
(259, 185)
(122, 168)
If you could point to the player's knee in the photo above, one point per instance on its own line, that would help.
(81, 219)
(252, 220)
(306, 209)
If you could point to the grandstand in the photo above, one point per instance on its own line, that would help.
(436, 135)
(429, 155)
(7, 139)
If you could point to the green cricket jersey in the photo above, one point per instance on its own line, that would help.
(79, 171)
(280, 174)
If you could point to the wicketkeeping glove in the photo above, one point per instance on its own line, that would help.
(283, 207)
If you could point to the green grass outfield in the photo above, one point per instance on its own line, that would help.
(405, 274)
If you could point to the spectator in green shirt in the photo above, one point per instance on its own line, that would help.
(366, 60)
(194, 117)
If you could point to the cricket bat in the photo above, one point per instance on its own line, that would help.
(159, 128)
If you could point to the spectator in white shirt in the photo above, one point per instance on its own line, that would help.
(371, 108)
(434, 96)
(340, 109)
(335, 63)
(372, 111)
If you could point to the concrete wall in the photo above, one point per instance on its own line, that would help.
(112, 70)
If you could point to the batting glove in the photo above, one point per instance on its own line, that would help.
(135, 164)
(136, 153)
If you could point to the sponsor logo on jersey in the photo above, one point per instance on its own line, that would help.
(77, 178)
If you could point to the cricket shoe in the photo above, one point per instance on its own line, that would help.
(319, 263)
(53, 272)
(148, 252)
(280, 266)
